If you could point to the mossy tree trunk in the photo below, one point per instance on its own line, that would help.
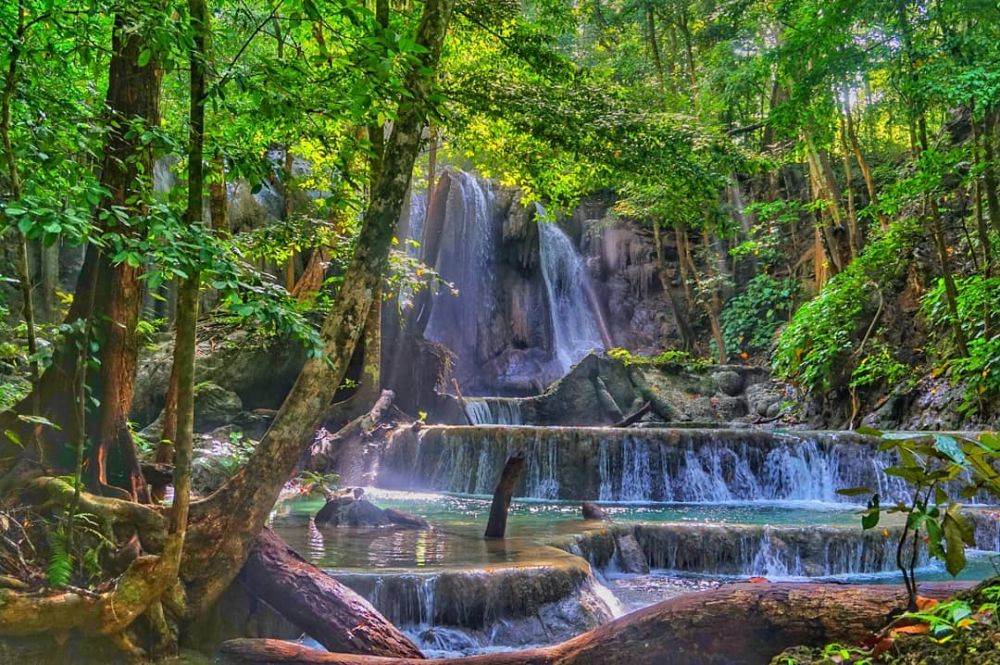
(224, 525)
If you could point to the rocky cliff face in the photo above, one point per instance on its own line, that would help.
(531, 295)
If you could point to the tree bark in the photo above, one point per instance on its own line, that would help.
(680, 313)
(325, 609)
(989, 173)
(224, 525)
(496, 527)
(738, 624)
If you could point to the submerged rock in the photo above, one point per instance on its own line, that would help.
(591, 511)
(630, 556)
(349, 510)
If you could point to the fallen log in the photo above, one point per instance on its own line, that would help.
(329, 612)
(496, 527)
(738, 624)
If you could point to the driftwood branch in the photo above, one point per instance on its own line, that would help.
(633, 418)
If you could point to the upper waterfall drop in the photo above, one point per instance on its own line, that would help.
(575, 328)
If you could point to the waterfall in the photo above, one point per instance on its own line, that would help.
(467, 258)
(682, 465)
(575, 329)
(498, 411)
(406, 600)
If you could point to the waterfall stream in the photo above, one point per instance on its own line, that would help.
(575, 329)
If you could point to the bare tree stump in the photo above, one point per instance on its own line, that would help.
(497, 525)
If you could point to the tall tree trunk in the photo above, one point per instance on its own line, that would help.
(713, 304)
(859, 156)
(133, 95)
(989, 172)
(654, 48)
(941, 244)
(853, 234)
(224, 525)
(680, 313)
(685, 263)
(977, 196)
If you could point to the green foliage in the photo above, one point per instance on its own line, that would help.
(669, 359)
(750, 319)
(822, 345)
(313, 484)
(979, 320)
(59, 572)
(935, 467)
(878, 367)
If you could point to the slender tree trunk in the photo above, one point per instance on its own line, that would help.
(432, 152)
(977, 196)
(989, 173)
(713, 305)
(654, 48)
(951, 291)
(853, 234)
(218, 200)
(224, 525)
(859, 156)
(496, 527)
(680, 314)
(685, 263)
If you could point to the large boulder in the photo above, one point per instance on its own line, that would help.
(215, 406)
(354, 511)
(728, 382)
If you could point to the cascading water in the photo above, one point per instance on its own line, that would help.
(575, 328)
(467, 258)
(498, 411)
(701, 466)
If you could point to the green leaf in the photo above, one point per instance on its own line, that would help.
(949, 447)
(955, 556)
(854, 491)
(869, 520)
(309, 7)
(39, 420)
(145, 56)
(14, 437)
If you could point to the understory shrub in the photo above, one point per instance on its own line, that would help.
(821, 347)
(979, 371)
(750, 319)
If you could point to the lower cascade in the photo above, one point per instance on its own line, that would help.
(680, 465)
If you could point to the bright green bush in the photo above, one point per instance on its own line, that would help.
(750, 319)
(818, 350)
(978, 299)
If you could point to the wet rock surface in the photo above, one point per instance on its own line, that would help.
(355, 511)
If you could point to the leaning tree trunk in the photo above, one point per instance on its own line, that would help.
(496, 527)
(329, 612)
(739, 624)
(224, 525)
